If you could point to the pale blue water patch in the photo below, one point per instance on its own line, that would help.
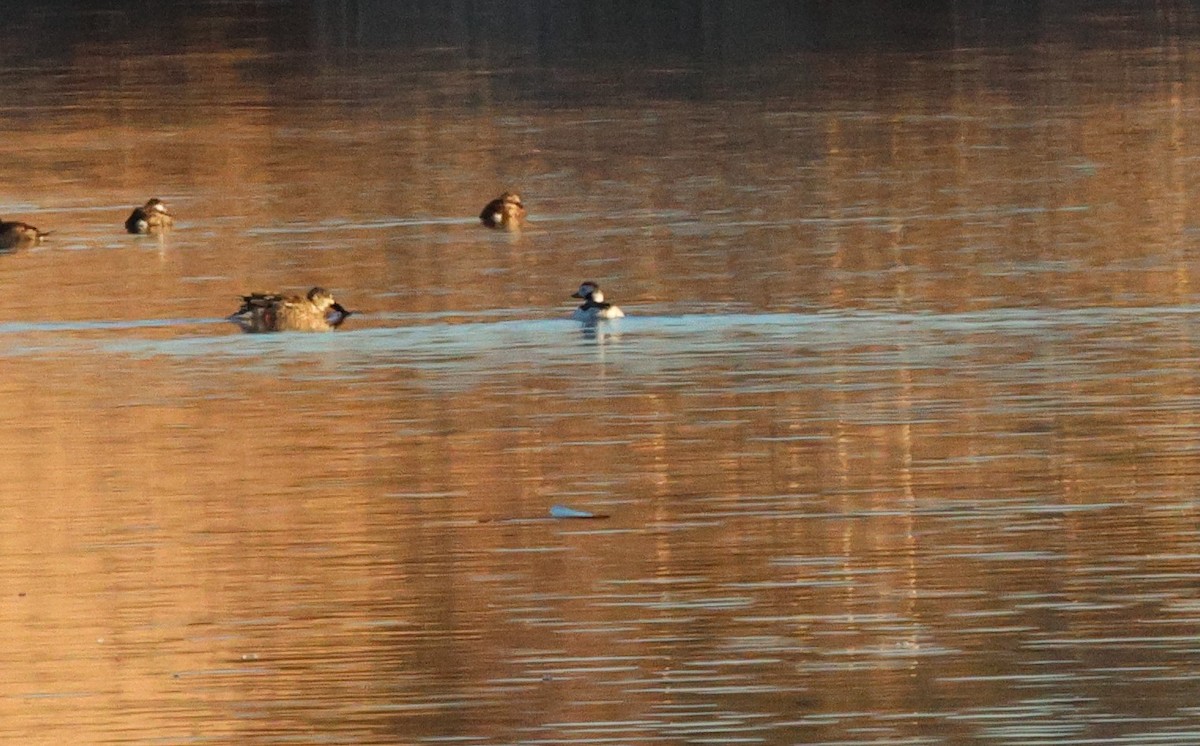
(24, 339)
(115, 209)
(9, 210)
(59, 327)
(1021, 269)
(667, 347)
(437, 345)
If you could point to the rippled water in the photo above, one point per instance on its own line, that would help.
(897, 444)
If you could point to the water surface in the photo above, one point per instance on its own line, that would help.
(896, 445)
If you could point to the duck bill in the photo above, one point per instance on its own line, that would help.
(576, 295)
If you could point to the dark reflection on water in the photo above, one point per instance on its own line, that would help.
(702, 30)
(897, 442)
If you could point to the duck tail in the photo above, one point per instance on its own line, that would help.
(247, 305)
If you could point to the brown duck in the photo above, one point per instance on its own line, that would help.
(151, 217)
(17, 235)
(271, 312)
(506, 211)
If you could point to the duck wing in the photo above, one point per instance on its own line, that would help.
(260, 301)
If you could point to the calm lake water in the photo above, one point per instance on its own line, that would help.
(898, 444)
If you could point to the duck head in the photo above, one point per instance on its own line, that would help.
(322, 299)
(589, 291)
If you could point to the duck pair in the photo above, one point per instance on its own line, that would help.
(151, 217)
(319, 312)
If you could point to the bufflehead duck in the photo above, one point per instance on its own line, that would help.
(149, 218)
(15, 235)
(594, 308)
(271, 312)
(506, 211)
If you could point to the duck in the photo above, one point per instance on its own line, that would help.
(506, 211)
(594, 307)
(16, 235)
(149, 218)
(316, 311)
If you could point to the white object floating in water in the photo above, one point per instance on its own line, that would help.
(562, 511)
